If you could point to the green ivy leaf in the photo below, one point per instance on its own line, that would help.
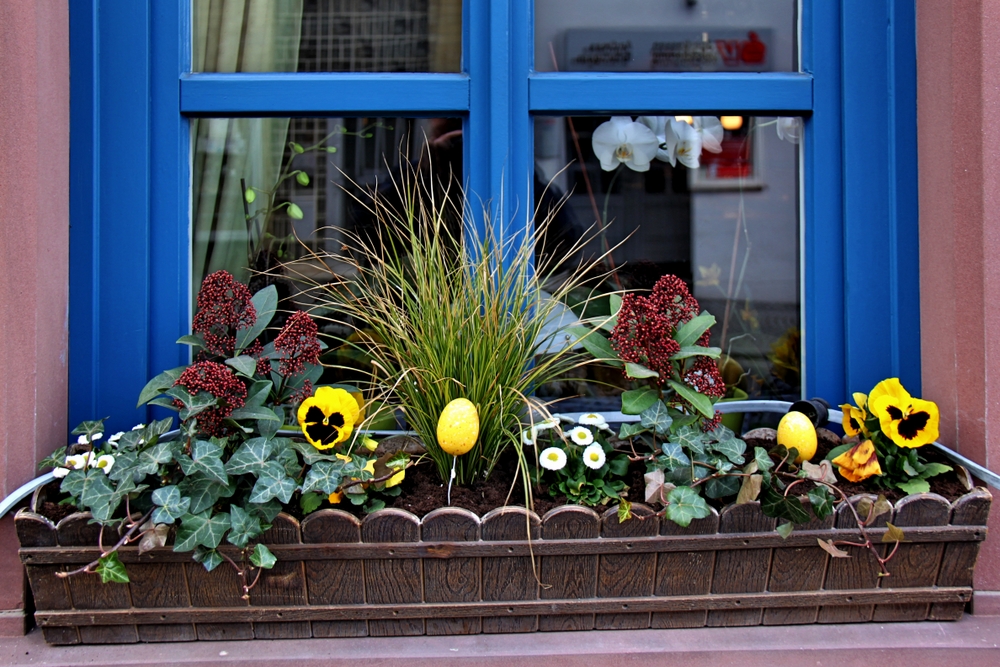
(245, 526)
(310, 454)
(732, 449)
(690, 438)
(722, 487)
(273, 483)
(628, 430)
(171, 505)
(673, 456)
(203, 492)
(701, 403)
(685, 505)
(96, 491)
(634, 401)
(624, 510)
(209, 558)
(111, 569)
(250, 457)
(657, 418)
(324, 476)
(151, 459)
(205, 460)
(203, 529)
(776, 505)
(821, 501)
(265, 302)
(764, 463)
(785, 530)
(262, 557)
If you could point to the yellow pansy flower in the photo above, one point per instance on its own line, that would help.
(328, 417)
(907, 421)
(854, 417)
(859, 462)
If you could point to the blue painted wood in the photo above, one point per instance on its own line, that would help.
(882, 322)
(823, 280)
(478, 127)
(786, 94)
(84, 169)
(903, 144)
(170, 239)
(283, 94)
(110, 264)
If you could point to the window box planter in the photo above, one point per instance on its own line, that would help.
(453, 573)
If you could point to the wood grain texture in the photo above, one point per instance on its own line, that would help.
(510, 578)
(959, 559)
(393, 581)
(685, 573)
(798, 569)
(75, 530)
(334, 581)
(34, 530)
(914, 564)
(569, 577)
(218, 588)
(741, 571)
(155, 584)
(451, 579)
(628, 574)
(857, 572)
(284, 584)
(51, 592)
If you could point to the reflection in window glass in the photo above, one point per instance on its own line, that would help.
(658, 36)
(327, 36)
(713, 200)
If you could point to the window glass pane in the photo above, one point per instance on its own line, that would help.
(724, 217)
(327, 35)
(658, 36)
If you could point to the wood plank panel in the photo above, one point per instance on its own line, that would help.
(685, 573)
(959, 558)
(914, 565)
(219, 588)
(155, 584)
(741, 571)
(857, 572)
(334, 581)
(282, 585)
(511, 578)
(569, 577)
(393, 581)
(798, 569)
(629, 574)
(451, 579)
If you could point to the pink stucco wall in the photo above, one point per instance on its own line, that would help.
(34, 257)
(958, 98)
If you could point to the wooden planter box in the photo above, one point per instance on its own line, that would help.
(454, 573)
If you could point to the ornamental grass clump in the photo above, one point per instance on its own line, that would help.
(444, 314)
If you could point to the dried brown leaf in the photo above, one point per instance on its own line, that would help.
(749, 490)
(828, 546)
(820, 472)
(153, 537)
(882, 506)
(893, 534)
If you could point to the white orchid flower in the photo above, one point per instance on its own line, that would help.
(688, 143)
(553, 458)
(790, 129)
(660, 125)
(580, 435)
(593, 456)
(623, 141)
(711, 131)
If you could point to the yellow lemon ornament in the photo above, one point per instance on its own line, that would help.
(796, 430)
(458, 427)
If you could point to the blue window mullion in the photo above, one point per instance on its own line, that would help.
(565, 93)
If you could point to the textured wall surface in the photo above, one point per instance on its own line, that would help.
(958, 94)
(34, 258)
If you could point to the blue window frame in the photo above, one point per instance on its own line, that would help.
(132, 97)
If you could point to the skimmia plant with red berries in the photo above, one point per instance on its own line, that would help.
(229, 470)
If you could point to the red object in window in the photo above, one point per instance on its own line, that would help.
(753, 50)
(732, 162)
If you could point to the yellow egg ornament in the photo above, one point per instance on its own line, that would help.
(458, 427)
(796, 430)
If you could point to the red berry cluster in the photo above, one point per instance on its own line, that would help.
(672, 298)
(219, 381)
(297, 344)
(224, 306)
(644, 335)
(705, 378)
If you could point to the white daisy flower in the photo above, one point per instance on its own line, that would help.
(138, 426)
(96, 437)
(547, 424)
(593, 456)
(59, 473)
(595, 419)
(104, 463)
(82, 440)
(78, 461)
(553, 458)
(564, 418)
(580, 435)
(116, 437)
(528, 437)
